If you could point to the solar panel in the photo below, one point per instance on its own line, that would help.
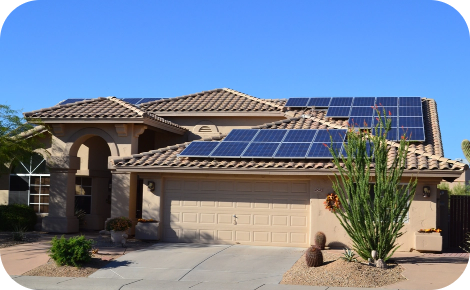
(389, 111)
(146, 100)
(260, 150)
(245, 135)
(367, 102)
(410, 122)
(410, 101)
(297, 102)
(292, 150)
(199, 149)
(360, 122)
(375, 121)
(339, 112)
(368, 149)
(413, 134)
(69, 101)
(321, 150)
(386, 101)
(319, 102)
(391, 135)
(270, 135)
(229, 149)
(133, 101)
(323, 136)
(362, 111)
(341, 102)
(302, 135)
(410, 111)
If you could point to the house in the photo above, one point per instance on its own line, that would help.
(111, 158)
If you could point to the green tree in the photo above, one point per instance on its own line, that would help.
(374, 203)
(18, 138)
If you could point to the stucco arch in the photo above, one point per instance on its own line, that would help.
(79, 137)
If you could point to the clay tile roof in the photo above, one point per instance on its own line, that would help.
(97, 109)
(421, 156)
(218, 100)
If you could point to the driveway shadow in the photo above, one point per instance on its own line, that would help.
(430, 260)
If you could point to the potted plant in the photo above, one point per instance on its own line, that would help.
(118, 228)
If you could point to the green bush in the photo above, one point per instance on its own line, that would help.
(17, 215)
(73, 251)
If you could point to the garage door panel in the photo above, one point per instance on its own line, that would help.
(207, 218)
(263, 216)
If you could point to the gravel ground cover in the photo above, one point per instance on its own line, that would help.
(336, 272)
(6, 239)
(50, 269)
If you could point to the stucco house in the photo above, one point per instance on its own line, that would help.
(106, 152)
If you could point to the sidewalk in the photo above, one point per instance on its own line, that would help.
(51, 283)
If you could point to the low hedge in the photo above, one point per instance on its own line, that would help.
(17, 215)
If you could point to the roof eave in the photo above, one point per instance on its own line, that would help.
(220, 114)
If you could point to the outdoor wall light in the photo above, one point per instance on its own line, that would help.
(426, 191)
(151, 185)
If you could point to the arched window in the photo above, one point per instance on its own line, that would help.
(30, 182)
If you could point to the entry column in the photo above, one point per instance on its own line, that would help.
(61, 218)
(123, 196)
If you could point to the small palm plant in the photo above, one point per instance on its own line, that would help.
(349, 255)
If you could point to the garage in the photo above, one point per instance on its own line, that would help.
(250, 212)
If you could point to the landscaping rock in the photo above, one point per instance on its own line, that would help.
(381, 264)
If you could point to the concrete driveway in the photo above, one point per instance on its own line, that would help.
(204, 263)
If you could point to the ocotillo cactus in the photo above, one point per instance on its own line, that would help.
(466, 149)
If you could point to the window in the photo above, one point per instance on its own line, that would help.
(30, 183)
(83, 194)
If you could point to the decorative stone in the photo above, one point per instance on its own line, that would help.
(381, 264)
(371, 263)
(374, 254)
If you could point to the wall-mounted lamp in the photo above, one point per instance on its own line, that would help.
(426, 191)
(151, 185)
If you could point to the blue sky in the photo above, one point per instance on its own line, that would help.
(52, 50)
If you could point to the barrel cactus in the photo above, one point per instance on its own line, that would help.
(320, 240)
(466, 149)
(314, 257)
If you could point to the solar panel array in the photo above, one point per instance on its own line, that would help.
(266, 143)
(134, 101)
(406, 113)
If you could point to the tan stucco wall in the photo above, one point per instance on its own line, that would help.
(4, 188)
(223, 124)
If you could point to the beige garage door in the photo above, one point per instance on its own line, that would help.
(245, 212)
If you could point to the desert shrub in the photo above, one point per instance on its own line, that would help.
(73, 251)
(19, 233)
(19, 215)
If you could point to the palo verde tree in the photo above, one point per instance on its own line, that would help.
(18, 138)
(373, 201)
